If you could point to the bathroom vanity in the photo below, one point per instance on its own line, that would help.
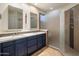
(22, 44)
(21, 35)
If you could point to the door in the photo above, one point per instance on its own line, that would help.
(71, 29)
(76, 27)
(67, 30)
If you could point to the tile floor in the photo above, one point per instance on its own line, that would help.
(70, 52)
(47, 51)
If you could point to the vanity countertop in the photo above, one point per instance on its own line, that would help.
(16, 31)
(12, 32)
(15, 37)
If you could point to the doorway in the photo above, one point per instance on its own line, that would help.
(69, 28)
(72, 27)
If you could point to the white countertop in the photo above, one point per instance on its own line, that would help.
(15, 37)
(15, 31)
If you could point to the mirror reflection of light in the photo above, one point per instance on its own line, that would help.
(42, 18)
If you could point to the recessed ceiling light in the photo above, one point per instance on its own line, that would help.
(51, 8)
(35, 3)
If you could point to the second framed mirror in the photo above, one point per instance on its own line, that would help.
(33, 20)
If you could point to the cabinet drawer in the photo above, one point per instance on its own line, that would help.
(20, 40)
(32, 49)
(21, 49)
(9, 51)
(31, 38)
(43, 35)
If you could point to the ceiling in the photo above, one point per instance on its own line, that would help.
(49, 6)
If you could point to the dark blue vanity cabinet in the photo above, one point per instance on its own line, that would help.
(36, 42)
(32, 44)
(41, 41)
(0, 49)
(8, 48)
(23, 46)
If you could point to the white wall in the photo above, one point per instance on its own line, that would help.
(26, 10)
(3, 20)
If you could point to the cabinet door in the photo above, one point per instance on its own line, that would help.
(0, 49)
(32, 41)
(8, 48)
(44, 39)
(21, 47)
(41, 40)
(32, 45)
(32, 49)
(8, 51)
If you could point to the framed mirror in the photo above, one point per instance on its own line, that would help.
(33, 20)
(15, 18)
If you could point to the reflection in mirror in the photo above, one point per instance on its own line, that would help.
(15, 18)
(42, 21)
(33, 20)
